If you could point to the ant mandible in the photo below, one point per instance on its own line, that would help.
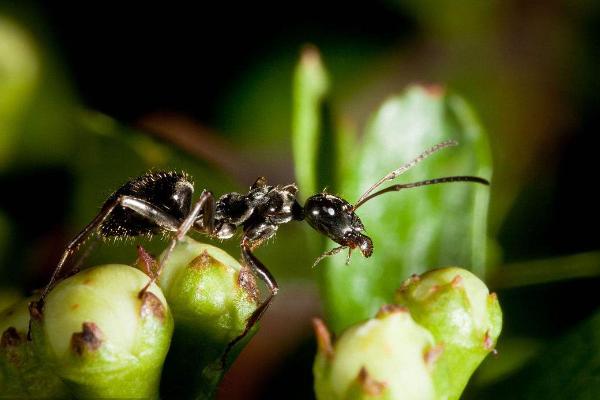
(161, 202)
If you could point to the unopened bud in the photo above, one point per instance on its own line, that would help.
(103, 339)
(212, 296)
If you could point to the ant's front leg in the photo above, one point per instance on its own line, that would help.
(261, 270)
(204, 205)
(332, 252)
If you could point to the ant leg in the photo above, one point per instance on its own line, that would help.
(349, 255)
(264, 274)
(83, 255)
(142, 207)
(260, 182)
(206, 205)
(330, 253)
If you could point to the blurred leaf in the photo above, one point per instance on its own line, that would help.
(583, 265)
(417, 229)
(568, 369)
(513, 353)
(4, 240)
(19, 65)
(311, 85)
(8, 297)
(37, 105)
(448, 20)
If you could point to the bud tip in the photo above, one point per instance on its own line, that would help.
(323, 337)
(10, 338)
(370, 386)
(387, 309)
(432, 355)
(89, 339)
(152, 306)
(457, 281)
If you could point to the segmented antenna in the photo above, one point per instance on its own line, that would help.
(397, 172)
(395, 188)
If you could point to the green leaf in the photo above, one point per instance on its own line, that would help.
(568, 369)
(37, 104)
(573, 266)
(19, 68)
(311, 85)
(417, 229)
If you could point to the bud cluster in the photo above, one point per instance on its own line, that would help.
(424, 346)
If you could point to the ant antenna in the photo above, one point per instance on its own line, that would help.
(395, 188)
(395, 173)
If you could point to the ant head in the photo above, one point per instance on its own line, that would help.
(362, 242)
(335, 218)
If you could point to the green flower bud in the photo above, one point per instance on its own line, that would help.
(100, 337)
(212, 296)
(387, 357)
(461, 314)
(22, 374)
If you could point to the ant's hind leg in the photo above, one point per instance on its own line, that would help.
(204, 205)
(141, 207)
(138, 206)
(264, 274)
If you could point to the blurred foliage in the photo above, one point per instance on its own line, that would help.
(515, 353)
(18, 78)
(8, 296)
(567, 368)
(310, 89)
(4, 232)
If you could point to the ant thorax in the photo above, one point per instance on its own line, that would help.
(259, 212)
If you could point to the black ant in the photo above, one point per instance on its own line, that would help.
(161, 202)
